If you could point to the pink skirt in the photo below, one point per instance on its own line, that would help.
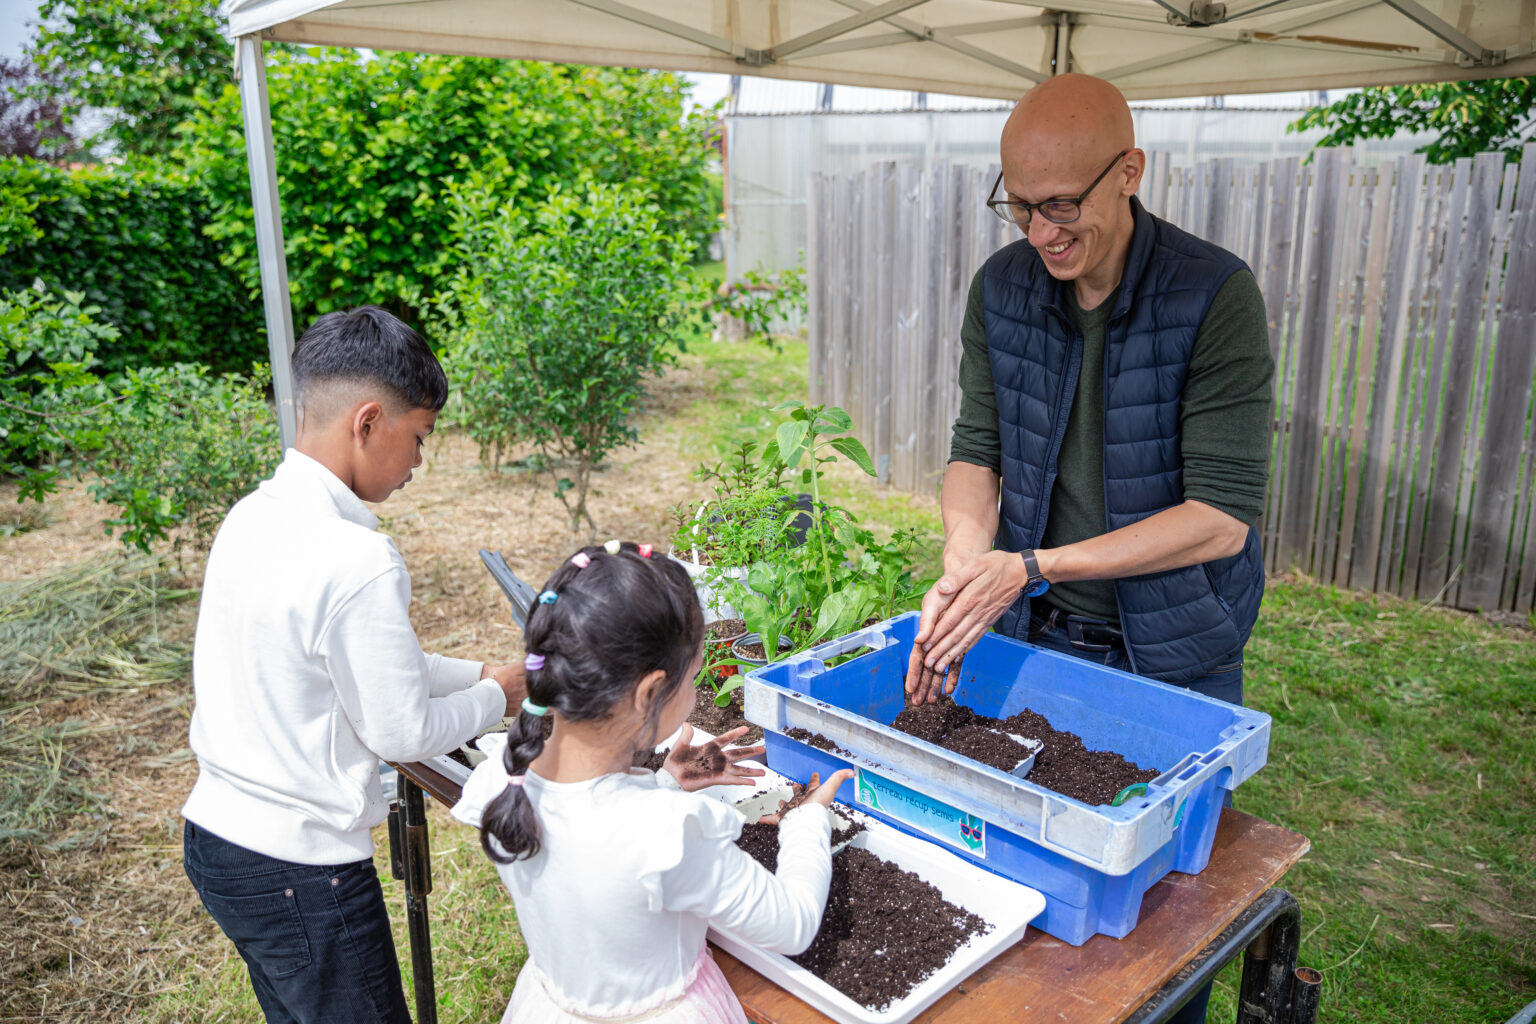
(707, 1000)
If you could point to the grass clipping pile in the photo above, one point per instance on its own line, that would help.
(885, 930)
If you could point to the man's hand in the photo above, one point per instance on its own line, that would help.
(711, 764)
(513, 680)
(959, 608)
(814, 791)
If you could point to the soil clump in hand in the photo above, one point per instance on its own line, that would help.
(1063, 764)
(884, 930)
(709, 762)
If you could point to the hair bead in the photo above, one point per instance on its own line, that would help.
(612, 547)
(538, 710)
(548, 597)
(533, 662)
(581, 559)
(645, 551)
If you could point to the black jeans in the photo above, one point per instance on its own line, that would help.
(1226, 683)
(315, 939)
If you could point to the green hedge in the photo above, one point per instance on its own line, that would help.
(132, 242)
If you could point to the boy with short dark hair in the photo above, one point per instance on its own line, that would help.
(307, 672)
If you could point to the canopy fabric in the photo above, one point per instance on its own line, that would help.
(1151, 49)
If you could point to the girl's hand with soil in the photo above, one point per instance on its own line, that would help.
(815, 791)
(711, 764)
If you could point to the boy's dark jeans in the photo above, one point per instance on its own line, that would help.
(316, 940)
(1225, 684)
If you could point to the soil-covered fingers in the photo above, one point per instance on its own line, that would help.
(934, 604)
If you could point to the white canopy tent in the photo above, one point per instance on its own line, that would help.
(999, 48)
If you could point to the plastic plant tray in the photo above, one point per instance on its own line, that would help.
(1007, 906)
(1094, 863)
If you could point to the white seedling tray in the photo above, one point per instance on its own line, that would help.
(1006, 906)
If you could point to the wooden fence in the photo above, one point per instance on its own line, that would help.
(1402, 318)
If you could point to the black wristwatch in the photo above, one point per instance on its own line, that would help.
(1036, 584)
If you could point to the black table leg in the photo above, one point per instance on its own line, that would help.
(1270, 930)
(409, 860)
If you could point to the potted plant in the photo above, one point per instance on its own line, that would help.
(739, 523)
(841, 576)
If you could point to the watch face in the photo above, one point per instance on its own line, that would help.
(1037, 588)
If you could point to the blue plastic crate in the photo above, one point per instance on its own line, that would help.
(1094, 864)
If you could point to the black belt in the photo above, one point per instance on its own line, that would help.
(1085, 634)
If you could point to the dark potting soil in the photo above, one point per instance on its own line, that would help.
(817, 740)
(650, 760)
(842, 835)
(884, 930)
(1063, 764)
(754, 651)
(724, 629)
(980, 743)
(461, 757)
(761, 841)
(717, 721)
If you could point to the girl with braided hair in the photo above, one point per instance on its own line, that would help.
(617, 873)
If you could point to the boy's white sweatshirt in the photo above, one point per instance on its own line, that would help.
(307, 671)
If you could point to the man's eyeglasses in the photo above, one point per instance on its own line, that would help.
(1058, 211)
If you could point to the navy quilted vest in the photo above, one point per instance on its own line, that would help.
(1180, 624)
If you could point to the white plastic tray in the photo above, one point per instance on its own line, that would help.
(1007, 906)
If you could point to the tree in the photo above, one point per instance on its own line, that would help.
(1488, 115)
(366, 149)
(145, 60)
(556, 319)
(31, 125)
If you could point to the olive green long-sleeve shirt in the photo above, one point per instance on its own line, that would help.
(1225, 423)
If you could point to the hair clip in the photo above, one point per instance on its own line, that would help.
(645, 551)
(514, 780)
(533, 662)
(548, 597)
(581, 559)
(538, 710)
(612, 547)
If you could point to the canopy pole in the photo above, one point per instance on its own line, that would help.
(251, 73)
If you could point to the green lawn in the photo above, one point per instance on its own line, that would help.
(1404, 746)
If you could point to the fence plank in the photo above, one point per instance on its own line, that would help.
(1340, 358)
(1400, 476)
(1366, 324)
(1278, 256)
(1459, 317)
(815, 293)
(1300, 501)
(1509, 396)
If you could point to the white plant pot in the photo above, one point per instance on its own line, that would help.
(715, 605)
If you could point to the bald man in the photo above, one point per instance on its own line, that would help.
(1112, 449)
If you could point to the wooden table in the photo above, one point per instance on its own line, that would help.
(1191, 926)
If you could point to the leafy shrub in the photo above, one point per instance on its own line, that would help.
(556, 320)
(171, 448)
(176, 448)
(133, 243)
(48, 347)
(367, 150)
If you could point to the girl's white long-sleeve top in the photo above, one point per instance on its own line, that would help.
(307, 671)
(630, 875)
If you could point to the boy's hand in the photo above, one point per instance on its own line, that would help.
(815, 791)
(711, 764)
(513, 680)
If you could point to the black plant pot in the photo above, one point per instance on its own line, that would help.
(753, 638)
